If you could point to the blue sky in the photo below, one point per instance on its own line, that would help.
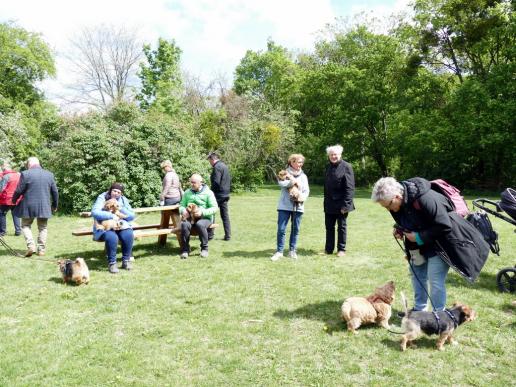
(213, 34)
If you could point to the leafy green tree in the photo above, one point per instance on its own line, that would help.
(271, 75)
(464, 36)
(161, 79)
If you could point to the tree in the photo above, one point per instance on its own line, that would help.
(105, 61)
(161, 79)
(25, 59)
(464, 36)
(271, 75)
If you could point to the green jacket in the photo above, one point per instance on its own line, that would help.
(204, 198)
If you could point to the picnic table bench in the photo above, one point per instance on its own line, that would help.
(170, 223)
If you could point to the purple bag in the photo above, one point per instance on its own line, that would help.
(453, 194)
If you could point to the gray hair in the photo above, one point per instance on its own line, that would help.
(386, 189)
(334, 148)
(32, 161)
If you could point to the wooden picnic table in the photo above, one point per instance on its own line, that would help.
(170, 223)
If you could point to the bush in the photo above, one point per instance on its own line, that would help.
(128, 148)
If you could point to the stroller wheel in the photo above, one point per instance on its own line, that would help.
(506, 280)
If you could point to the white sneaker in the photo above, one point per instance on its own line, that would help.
(277, 255)
(292, 254)
(204, 253)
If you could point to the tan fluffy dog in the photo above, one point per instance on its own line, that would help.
(194, 211)
(293, 191)
(112, 206)
(74, 271)
(375, 309)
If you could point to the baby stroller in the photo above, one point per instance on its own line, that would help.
(506, 278)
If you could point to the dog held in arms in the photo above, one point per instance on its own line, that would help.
(112, 206)
(374, 309)
(194, 211)
(442, 323)
(293, 191)
(74, 271)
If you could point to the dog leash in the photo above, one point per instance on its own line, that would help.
(16, 254)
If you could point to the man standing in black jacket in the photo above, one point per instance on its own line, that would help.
(339, 188)
(221, 185)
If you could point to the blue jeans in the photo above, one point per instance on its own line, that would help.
(433, 272)
(3, 220)
(283, 218)
(111, 237)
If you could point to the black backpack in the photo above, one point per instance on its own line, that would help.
(481, 221)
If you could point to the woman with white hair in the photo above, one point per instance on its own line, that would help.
(339, 188)
(435, 236)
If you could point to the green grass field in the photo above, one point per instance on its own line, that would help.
(237, 318)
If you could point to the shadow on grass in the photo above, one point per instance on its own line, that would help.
(422, 342)
(96, 259)
(327, 312)
(264, 253)
(484, 280)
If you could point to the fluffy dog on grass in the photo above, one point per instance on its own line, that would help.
(374, 309)
(74, 271)
(293, 191)
(194, 211)
(112, 206)
(442, 323)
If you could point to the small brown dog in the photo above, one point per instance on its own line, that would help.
(112, 206)
(194, 211)
(293, 191)
(375, 309)
(442, 323)
(74, 271)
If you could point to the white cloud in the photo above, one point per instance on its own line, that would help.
(214, 35)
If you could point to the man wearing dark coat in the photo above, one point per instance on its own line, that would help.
(221, 185)
(339, 188)
(40, 197)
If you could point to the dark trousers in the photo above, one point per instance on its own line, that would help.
(111, 237)
(4, 209)
(224, 215)
(329, 221)
(202, 228)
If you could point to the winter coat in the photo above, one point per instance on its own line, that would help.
(99, 214)
(171, 186)
(220, 180)
(339, 187)
(441, 229)
(285, 203)
(40, 195)
(8, 185)
(204, 198)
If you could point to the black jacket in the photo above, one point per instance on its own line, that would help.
(339, 187)
(220, 180)
(40, 196)
(441, 229)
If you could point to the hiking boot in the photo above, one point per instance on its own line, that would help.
(112, 268)
(184, 255)
(277, 255)
(126, 265)
(30, 252)
(292, 254)
(341, 253)
(41, 253)
(17, 233)
(227, 238)
(204, 253)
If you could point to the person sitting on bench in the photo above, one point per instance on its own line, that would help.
(124, 234)
(203, 197)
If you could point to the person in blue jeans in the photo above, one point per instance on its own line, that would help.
(422, 218)
(291, 207)
(124, 235)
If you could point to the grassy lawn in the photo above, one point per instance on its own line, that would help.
(237, 318)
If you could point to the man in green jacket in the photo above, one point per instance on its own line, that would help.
(203, 197)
